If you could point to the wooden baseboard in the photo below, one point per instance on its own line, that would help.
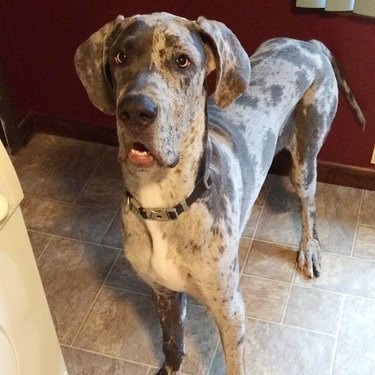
(328, 172)
(77, 130)
(331, 173)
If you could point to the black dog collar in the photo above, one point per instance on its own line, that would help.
(172, 213)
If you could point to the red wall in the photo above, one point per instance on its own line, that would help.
(41, 36)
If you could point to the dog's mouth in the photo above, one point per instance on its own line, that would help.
(140, 156)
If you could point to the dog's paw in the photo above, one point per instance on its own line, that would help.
(309, 259)
(166, 371)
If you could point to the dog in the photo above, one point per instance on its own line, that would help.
(193, 166)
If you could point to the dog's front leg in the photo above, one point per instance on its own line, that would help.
(227, 307)
(172, 311)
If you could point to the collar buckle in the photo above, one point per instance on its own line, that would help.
(164, 214)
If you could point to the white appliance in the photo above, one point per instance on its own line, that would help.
(28, 340)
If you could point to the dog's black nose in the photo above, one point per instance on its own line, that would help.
(137, 110)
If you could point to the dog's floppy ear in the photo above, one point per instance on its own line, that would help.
(91, 62)
(226, 54)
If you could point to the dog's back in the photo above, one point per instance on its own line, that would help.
(293, 91)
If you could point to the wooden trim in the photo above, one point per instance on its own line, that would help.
(346, 175)
(74, 129)
(331, 173)
(328, 172)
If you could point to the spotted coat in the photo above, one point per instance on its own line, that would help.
(286, 99)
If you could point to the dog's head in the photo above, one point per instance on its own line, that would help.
(149, 71)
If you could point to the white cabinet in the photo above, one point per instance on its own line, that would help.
(28, 341)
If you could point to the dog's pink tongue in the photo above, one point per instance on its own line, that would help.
(141, 157)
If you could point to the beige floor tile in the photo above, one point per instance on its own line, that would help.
(124, 277)
(39, 242)
(279, 350)
(272, 261)
(264, 191)
(344, 275)
(364, 246)
(109, 167)
(113, 236)
(126, 325)
(264, 299)
(313, 309)
(72, 273)
(280, 221)
(65, 219)
(106, 193)
(79, 362)
(56, 167)
(242, 251)
(356, 342)
(201, 338)
(367, 215)
(252, 223)
(337, 210)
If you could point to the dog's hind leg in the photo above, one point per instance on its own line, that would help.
(171, 307)
(303, 178)
(311, 120)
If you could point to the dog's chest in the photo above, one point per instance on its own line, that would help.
(164, 267)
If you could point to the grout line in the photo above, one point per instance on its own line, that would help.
(248, 251)
(110, 224)
(337, 335)
(313, 287)
(70, 203)
(286, 305)
(310, 330)
(251, 241)
(44, 250)
(366, 225)
(130, 291)
(263, 320)
(268, 279)
(77, 240)
(357, 223)
(323, 252)
(290, 326)
(350, 257)
(96, 297)
(108, 286)
(91, 175)
(47, 244)
(295, 247)
(335, 292)
(258, 222)
(295, 273)
(106, 355)
(213, 357)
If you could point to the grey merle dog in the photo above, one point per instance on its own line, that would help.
(193, 166)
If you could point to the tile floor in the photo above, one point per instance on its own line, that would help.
(104, 316)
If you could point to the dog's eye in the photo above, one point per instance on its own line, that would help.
(183, 61)
(120, 57)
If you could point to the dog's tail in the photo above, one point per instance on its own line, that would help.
(342, 82)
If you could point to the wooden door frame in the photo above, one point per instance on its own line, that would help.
(13, 135)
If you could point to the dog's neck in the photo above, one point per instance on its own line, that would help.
(170, 186)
